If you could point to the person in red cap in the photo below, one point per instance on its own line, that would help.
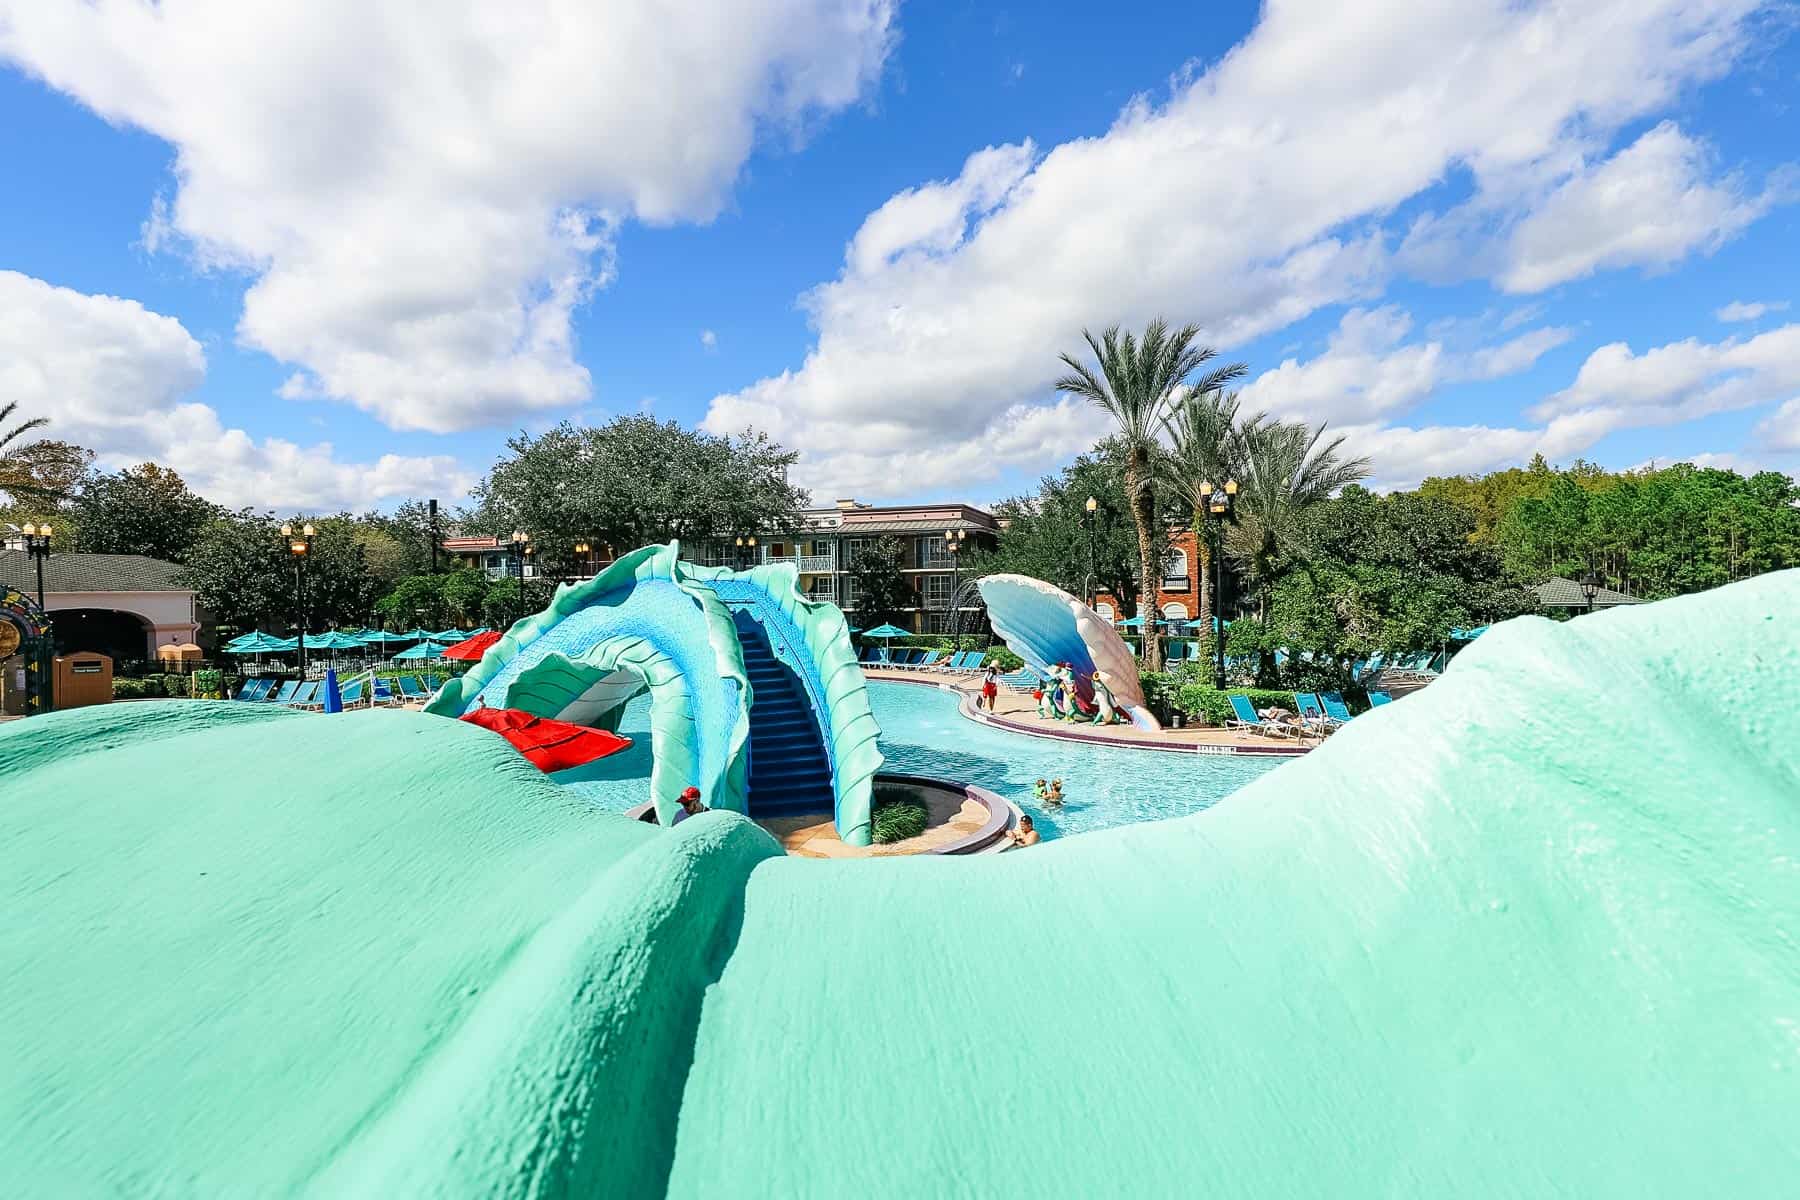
(690, 805)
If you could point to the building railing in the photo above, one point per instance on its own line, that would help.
(813, 563)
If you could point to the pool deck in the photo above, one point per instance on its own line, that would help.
(1016, 711)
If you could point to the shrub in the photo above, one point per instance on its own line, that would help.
(127, 689)
(1203, 702)
(174, 684)
(897, 820)
(1003, 658)
(209, 684)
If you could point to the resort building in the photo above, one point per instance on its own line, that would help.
(126, 606)
(1177, 588)
(825, 547)
(485, 554)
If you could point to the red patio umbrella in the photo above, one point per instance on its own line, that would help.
(475, 647)
(548, 745)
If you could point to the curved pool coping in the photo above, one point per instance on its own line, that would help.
(1003, 814)
(966, 706)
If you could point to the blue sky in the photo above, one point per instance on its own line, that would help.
(332, 259)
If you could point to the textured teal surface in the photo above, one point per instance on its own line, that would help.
(1529, 932)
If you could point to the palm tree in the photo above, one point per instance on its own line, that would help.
(1286, 471)
(36, 472)
(1134, 384)
(1207, 447)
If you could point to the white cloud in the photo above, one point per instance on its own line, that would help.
(114, 376)
(709, 340)
(1649, 205)
(1366, 372)
(1617, 388)
(1780, 431)
(1750, 310)
(1402, 456)
(1252, 197)
(423, 190)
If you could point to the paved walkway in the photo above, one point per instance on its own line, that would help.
(1017, 710)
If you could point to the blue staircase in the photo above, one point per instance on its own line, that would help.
(789, 770)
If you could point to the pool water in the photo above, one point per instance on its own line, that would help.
(923, 733)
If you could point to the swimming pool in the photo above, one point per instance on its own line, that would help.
(922, 733)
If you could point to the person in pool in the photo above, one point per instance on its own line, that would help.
(1054, 797)
(1025, 834)
(1039, 792)
(690, 806)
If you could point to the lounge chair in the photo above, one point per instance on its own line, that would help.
(411, 689)
(384, 691)
(286, 692)
(307, 696)
(930, 660)
(351, 693)
(867, 657)
(1022, 680)
(255, 690)
(1377, 699)
(1312, 711)
(1247, 719)
(1336, 710)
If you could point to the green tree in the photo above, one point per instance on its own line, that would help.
(241, 572)
(632, 482)
(1134, 383)
(40, 473)
(1207, 449)
(144, 509)
(1051, 536)
(880, 587)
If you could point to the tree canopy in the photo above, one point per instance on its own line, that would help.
(144, 509)
(634, 481)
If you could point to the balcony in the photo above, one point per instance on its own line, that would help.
(1176, 583)
(806, 564)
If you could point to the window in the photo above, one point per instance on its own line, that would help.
(1105, 611)
(1174, 611)
(937, 591)
(934, 552)
(852, 548)
(852, 593)
(1175, 564)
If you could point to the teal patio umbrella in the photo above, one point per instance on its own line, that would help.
(334, 640)
(425, 649)
(259, 643)
(885, 632)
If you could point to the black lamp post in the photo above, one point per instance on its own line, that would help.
(520, 549)
(585, 555)
(953, 540)
(1087, 523)
(1590, 587)
(37, 544)
(746, 551)
(299, 544)
(1216, 509)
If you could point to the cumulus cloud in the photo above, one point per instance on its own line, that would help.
(1618, 388)
(1253, 195)
(1649, 205)
(115, 377)
(1780, 431)
(709, 340)
(424, 190)
(1367, 373)
(1749, 310)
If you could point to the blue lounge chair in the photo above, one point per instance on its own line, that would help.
(1336, 710)
(306, 695)
(1311, 711)
(1247, 719)
(1022, 680)
(930, 660)
(255, 690)
(867, 657)
(1377, 699)
(352, 693)
(882, 658)
(412, 689)
(384, 692)
(286, 692)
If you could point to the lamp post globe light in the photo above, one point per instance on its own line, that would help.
(37, 544)
(954, 540)
(520, 549)
(746, 552)
(1087, 523)
(299, 544)
(1590, 587)
(1216, 506)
